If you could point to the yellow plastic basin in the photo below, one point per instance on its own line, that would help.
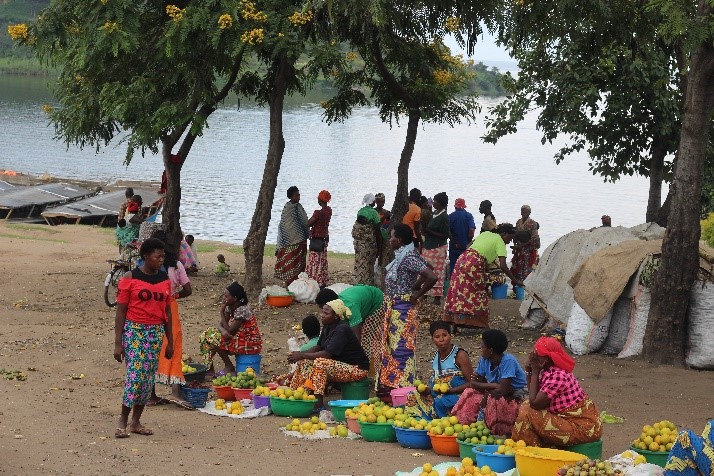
(532, 461)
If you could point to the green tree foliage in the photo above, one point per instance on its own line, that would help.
(600, 74)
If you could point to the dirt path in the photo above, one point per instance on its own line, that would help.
(54, 325)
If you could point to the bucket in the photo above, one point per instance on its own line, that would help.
(520, 293)
(355, 390)
(591, 450)
(399, 395)
(245, 361)
(499, 291)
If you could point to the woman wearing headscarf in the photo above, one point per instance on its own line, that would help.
(237, 332)
(337, 357)
(408, 278)
(386, 254)
(467, 299)
(436, 250)
(290, 255)
(525, 253)
(692, 454)
(367, 239)
(558, 411)
(319, 224)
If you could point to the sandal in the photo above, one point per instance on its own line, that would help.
(142, 430)
(316, 411)
(158, 401)
(121, 433)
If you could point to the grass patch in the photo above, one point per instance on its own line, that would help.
(42, 228)
(269, 250)
(32, 238)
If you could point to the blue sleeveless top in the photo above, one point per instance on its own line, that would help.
(447, 366)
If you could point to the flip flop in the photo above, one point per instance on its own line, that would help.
(159, 401)
(180, 403)
(121, 433)
(142, 431)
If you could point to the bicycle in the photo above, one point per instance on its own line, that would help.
(117, 269)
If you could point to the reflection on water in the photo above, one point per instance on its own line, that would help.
(221, 177)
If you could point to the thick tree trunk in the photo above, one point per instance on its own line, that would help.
(171, 215)
(654, 201)
(254, 242)
(663, 213)
(401, 199)
(665, 335)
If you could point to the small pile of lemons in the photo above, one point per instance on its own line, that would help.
(234, 408)
(509, 447)
(308, 427)
(290, 394)
(187, 369)
(658, 437)
(467, 468)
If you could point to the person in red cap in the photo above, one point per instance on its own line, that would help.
(461, 230)
(319, 224)
(559, 412)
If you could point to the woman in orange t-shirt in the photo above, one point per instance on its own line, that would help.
(143, 317)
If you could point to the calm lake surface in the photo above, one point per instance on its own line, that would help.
(222, 174)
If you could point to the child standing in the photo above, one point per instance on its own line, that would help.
(452, 375)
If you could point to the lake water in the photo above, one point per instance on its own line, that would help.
(223, 172)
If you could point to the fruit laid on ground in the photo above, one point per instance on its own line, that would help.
(589, 467)
(658, 437)
(308, 427)
(290, 394)
(635, 457)
(477, 433)
(339, 430)
(234, 408)
(220, 404)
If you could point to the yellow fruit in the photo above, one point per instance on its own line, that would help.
(485, 470)
(467, 462)
(452, 419)
(421, 388)
(426, 467)
(436, 388)
(444, 387)
(520, 444)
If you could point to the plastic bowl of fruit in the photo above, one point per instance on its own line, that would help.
(380, 432)
(280, 301)
(224, 391)
(485, 455)
(243, 393)
(413, 438)
(339, 407)
(195, 373)
(291, 408)
(532, 461)
(445, 445)
(655, 457)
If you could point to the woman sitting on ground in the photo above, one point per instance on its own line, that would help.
(452, 367)
(337, 357)
(558, 412)
(497, 388)
(237, 332)
(691, 454)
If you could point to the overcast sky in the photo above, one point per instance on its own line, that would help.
(486, 49)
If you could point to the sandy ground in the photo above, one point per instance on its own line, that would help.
(54, 325)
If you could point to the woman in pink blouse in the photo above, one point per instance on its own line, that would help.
(558, 412)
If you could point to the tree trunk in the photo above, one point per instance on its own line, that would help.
(171, 215)
(654, 201)
(401, 199)
(254, 242)
(663, 212)
(665, 336)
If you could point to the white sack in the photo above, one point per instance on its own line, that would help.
(583, 335)
(619, 327)
(701, 326)
(339, 287)
(304, 288)
(638, 323)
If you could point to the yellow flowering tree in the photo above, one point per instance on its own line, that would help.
(151, 71)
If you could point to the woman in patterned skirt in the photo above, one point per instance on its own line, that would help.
(291, 253)
(337, 356)
(319, 224)
(237, 333)
(436, 251)
(558, 412)
(467, 299)
(367, 239)
(407, 279)
(143, 317)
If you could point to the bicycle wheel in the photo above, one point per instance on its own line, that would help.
(111, 284)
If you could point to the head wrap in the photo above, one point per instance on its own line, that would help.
(324, 195)
(368, 199)
(380, 195)
(526, 207)
(460, 203)
(430, 202)
(551, 347)
(342, 311)
(237, 291)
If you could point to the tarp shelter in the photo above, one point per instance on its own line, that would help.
(101, 209)
(598, 283)
(28, 201)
